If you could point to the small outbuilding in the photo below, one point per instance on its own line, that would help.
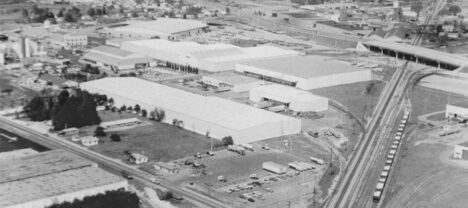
(169, 168)
(292, 98)
(233, 81)
(460, 151)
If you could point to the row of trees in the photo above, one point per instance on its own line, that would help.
(110, 199)
(65, 110)
(188, 68)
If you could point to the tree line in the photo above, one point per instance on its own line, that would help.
(111, 199)
(76, 109)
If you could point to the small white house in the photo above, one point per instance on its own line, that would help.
(138, 158)
(89, 141)
(459, 149)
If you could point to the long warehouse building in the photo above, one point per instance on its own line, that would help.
(208, 57)
(305, 72)
(202, 114)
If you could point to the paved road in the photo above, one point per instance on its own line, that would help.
(53, 142)
(356, 180)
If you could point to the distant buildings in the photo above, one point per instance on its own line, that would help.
(163, 28)
(51, 177)
(68, 40)
(209, 57)
(205, 115)
(305, 72)
(115, 59)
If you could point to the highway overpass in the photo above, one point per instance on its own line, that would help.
(439, 59)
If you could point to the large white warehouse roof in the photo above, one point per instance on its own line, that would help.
(214, 110)
(303, 66)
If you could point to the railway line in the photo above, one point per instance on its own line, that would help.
(354, 188)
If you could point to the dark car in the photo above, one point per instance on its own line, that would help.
(251, 200)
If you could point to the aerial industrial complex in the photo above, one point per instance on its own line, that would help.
(232, 104)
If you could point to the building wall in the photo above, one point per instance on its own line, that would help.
(70, 197)
(198, 125)
(295, 105)
(335, 79)
(451, 109)
(458, 151)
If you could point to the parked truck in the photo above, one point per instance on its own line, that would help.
(450, 129)
(237, 149)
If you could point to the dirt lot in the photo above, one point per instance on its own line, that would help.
(158, 141)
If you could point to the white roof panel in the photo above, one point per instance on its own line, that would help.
(215, 110)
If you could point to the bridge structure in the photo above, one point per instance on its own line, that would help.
(439, 59)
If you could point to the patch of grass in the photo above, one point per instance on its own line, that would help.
(352, 96)
(158, 141)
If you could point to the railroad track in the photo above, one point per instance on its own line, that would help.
(357, 171)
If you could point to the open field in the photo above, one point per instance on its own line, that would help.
(352, 96)
(425, 176)
(158, 141)
(429, 100)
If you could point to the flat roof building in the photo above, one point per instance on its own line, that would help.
(34, 165)
(201, 114)
(164, 28)
(51, 177)
(235, 82)
(208, 57)
(115, 59)
(457, 110)
(294, 99)
(45, 190)
(305, 72)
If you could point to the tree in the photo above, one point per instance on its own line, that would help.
(91, 12)
(24, 13)
(369, 88)
(228, 10)
(159, 115)
(123, 108)
(134, 14)
(68, 17)
(144, 113)
(99, 131)
(61, 11)
(110, 199)
(227, 141)
(98, 11)
(111, 101)
(454, 9)
(137, 108)
(115, 138)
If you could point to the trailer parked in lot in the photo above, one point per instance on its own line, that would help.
(247, 146)
(317, 160)
(274, 167)
(237, 149)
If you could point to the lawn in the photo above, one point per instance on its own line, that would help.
(158, 141)
(352, 96)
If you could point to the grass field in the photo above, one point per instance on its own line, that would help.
(352, 96)
(158, 141)
(430, 100)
